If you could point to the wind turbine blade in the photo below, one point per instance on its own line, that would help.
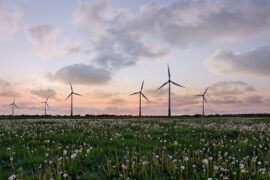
(47, 104)
(169, 73)
(145, 97)
(134, 93)
(71, 87)
(68, 96)
(142, 86)
(205, 99)
(198, 95)
(205, 91)
(77, 94)
(47, 98)
(14, 100)
(177, 84)
(15, 105)
(162, 85)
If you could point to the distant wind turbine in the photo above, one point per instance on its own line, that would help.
(12, 107)
(45, 105)
(169, 81)
(203, 99)
(140, 99)
(71, 99)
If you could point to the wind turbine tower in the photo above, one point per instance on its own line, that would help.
(169, 82)
(71, 98)
(203, 99)
(140, 99)
(45, 105)
(12, 107)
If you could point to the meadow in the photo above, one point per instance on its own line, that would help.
(135, 148)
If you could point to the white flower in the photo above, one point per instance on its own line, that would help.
(183, 167)
(124, 167)
(205, 161)
(11, 159)
(64, 152)
(145, 162)
(12, 177)
(241, 166)
(65, 175)
(73, 155)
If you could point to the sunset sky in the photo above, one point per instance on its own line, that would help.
(106, 48)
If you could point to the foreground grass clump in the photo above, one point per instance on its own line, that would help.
(146, 148)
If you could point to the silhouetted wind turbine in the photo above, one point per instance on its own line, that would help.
(45, 105)
(71, 99)
(169, 81)
(140, 99)
(12, 107)
(203, 99)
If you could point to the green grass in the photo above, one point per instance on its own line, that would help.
(175, 148)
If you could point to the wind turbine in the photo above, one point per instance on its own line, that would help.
(12, 107)
(140, 99)
(169, 82)
(71, 98)
(45, 105)
(203, 99)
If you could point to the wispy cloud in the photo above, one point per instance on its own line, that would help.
(49, 41)
(10, 18)
(255, 62)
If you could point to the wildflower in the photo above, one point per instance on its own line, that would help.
(205, 161)
(124, 167)
(73, 155)
(183, 167)
(241, 166)
(12, 177)
(65, 152)
(65, 175)
(262, 170)
(145, 162)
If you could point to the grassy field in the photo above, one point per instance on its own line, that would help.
(133, 148)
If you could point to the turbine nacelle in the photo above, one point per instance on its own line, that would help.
(140, 92)
(13, 103)
(46, 102)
